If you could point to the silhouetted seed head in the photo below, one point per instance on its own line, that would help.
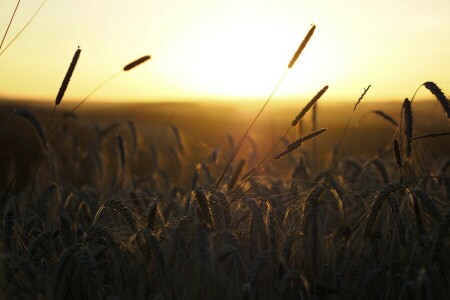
(407, 111)
(294, 145)
(25, 113)
(291, 147)
(398, 156)
(302, 46)
(385, 116)
(69, 73)
(312, 135)
(205, 209)
(247, 175)
(440, 96)
(309, 105)
(120, 207)
(136, 63)
(361, 97)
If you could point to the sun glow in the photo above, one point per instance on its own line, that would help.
(233, 49)
(245, 59)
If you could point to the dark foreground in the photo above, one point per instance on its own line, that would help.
(121, 203)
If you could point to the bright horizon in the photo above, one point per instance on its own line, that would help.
(222, 50)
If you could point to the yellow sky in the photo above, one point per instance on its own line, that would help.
(226, 49)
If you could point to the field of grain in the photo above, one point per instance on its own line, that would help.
(124, 205)
(312, 199)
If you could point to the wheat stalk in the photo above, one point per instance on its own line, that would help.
(385, 116)
(69, 73)
(408, 118)
(236, 174)
(205, 209)
(361, 97)
(297, 120)
(127, 67)
(346, 128)
(302, 46)
(440, 96)
(24, 27)
(30, 117)
(136, 63)
(244, 136)
(309, 105)
(296, 144)
(382, 195)
(397, 154)
(9, 24)
(380, 166)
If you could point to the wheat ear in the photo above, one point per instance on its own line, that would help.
(66, 80)
(440, 96)
(408, 117)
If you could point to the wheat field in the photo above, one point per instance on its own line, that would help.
(312, 200)
(105, 209)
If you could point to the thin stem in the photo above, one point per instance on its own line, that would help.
(9, 24)
(96, 89)
(333, 161)
(340, 142)
(51, 118)
(263, 162)
(85, 98)
(239, 145)
(24, 27)
(416, 92)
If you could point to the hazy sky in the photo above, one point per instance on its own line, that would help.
(218, 49)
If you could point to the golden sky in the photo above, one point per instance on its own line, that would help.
(226, 49)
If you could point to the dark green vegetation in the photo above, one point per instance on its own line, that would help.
(112, 208)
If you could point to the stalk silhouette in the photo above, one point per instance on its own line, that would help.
(127, 67)
(65, 82)
(295, 121)
(244, 136)
(24, 27)
(9, 24)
